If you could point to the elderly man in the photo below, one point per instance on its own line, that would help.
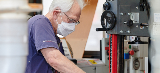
(46, 54)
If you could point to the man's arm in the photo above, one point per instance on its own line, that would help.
(59, 62)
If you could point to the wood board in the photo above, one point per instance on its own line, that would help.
(78, 38)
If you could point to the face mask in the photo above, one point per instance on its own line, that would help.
(65, 29)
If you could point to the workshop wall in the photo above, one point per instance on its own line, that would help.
(78, 38)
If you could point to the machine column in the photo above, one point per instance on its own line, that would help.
(116, 54)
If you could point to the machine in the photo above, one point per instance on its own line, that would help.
(127, 23)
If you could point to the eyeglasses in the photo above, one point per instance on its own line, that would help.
(72, 20)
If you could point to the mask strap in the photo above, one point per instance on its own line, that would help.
(61, 15)
(56, 21)
(61, 18)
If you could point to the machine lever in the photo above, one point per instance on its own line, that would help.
(143, 24)
(100, 29)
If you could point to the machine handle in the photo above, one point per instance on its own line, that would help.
(100, 29)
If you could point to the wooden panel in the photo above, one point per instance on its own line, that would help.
(36, 6)
(78, 39)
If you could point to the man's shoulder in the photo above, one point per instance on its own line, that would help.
(39, 22)
(35, 18)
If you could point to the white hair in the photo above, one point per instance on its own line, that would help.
(64, 5)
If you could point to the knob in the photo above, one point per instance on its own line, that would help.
(130, 23)
(131, 52)
(106, 6)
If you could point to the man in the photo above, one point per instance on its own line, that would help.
(45, 48)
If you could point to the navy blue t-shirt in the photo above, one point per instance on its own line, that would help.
(41, 35)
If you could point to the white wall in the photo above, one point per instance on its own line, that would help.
(46, 4)
(93, 42)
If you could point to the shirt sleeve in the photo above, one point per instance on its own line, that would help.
(43, 34)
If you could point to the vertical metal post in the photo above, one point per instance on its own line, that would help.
(100, 49)
(113, 54)
(120, 54)
(149, 55)
(110, 58)
(116, 54)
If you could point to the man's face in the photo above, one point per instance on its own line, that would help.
(70, 19)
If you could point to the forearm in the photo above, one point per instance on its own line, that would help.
(66, 66)
(59, 62)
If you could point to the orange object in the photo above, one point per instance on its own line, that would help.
(36, 6)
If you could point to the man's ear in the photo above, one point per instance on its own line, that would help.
(56, 13)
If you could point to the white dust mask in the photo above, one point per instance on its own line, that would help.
(65, 29)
